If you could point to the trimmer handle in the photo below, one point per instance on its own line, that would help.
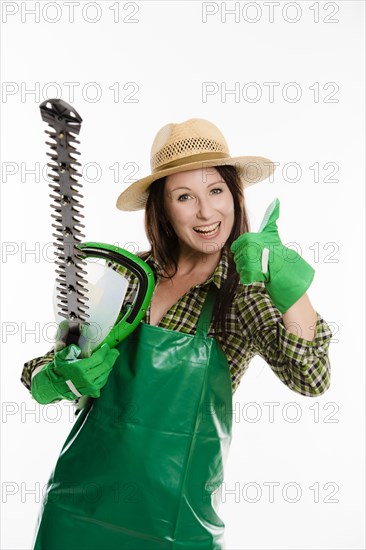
(124, 326)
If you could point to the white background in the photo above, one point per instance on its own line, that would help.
(169, 52)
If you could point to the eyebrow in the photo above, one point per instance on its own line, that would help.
(213, 183)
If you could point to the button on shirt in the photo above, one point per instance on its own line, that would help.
(254, 326)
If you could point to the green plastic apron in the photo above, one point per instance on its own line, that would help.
(142, 464)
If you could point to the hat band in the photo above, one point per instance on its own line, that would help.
(192, 158)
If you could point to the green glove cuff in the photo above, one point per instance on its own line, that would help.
(290, 283)
(43, 389)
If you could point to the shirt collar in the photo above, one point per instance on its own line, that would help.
(217, 277)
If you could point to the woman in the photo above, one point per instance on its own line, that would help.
(142, 466)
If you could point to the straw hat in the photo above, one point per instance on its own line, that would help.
(194, 143)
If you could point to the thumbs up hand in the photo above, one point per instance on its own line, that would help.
(262, 257)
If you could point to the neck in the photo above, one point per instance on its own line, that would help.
(194, 263)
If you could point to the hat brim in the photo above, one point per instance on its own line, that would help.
(251, 170)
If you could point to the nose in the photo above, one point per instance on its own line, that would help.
(204, 209)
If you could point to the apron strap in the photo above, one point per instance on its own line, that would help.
(206, 312)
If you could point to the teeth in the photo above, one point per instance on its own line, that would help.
(207, 229)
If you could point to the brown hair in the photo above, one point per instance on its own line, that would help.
(165, 246)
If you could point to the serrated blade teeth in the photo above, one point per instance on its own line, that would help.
(65, 200)
(81, 272)
(52, 156)
(64, 126)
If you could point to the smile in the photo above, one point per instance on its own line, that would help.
(208, 229)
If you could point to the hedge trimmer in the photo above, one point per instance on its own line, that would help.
(72, 286)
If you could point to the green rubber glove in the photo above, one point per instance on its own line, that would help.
(262, 257)
(67, 377)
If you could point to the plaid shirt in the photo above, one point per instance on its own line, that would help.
(255, 327)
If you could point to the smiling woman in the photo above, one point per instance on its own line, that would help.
(187, 204)
(179, 203)
(214, 308)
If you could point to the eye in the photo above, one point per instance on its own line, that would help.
(180, 196)
(219, 189)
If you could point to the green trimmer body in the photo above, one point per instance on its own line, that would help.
(126, 323)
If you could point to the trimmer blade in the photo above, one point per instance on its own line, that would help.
(65, 123)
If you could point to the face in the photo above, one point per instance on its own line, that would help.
(200, 207)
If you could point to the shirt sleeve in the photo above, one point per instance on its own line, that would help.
(303, 365)
(30, 367)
